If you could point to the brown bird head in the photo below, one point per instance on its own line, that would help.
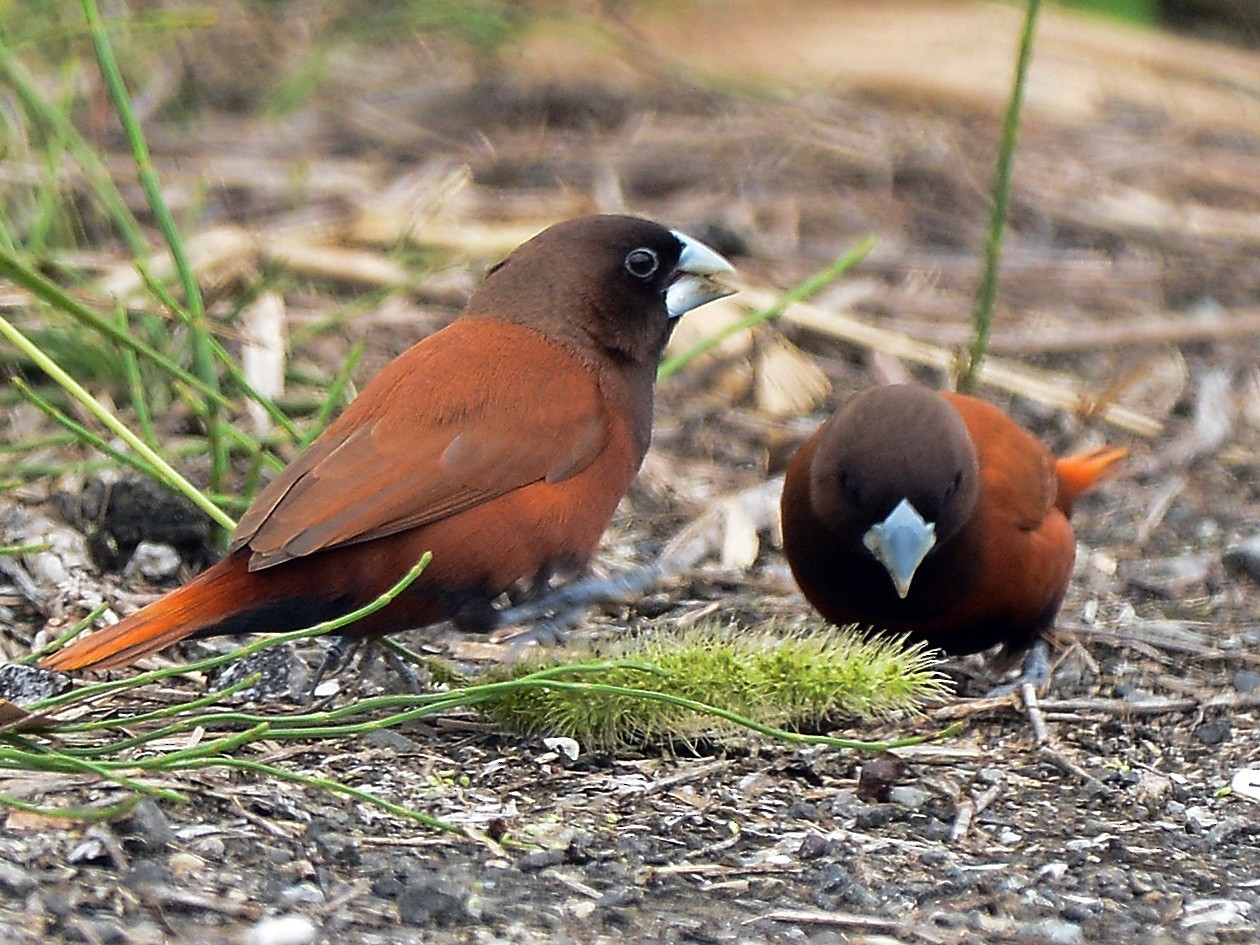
(896, 470)
(613, 286)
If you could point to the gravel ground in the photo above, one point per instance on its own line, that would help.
(1093, 814)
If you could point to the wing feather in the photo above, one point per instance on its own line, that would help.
(450, 423)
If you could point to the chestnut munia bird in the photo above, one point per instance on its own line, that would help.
(934, 515)
(502, 444)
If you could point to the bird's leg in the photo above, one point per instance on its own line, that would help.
(557, 610)
(582, 593)
(343, 649)
(404, 668)
(337, 654)
(1036, 670)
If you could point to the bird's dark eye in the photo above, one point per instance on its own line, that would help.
(953, 486)
(850, 489)
(642, 263)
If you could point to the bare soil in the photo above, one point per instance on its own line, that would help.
(1128, 215)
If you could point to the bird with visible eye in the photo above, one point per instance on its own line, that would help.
(501, 444)
(934, 515)
(642, 263)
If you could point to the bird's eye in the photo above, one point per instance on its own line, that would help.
(642, 263)
(953, 486)
(850, 489)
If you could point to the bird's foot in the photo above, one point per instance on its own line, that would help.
(551, 631)
(1036, 671)
(339, 652)
(565, 601)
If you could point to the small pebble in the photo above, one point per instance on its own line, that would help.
(1244, 558)
(432, 900)
(146, 873)
(877, 778)
(911, 798)
(15, 880)
(539, 860)
(157, 563)
(23, 685)
(1056, 931)
(391, 740)
(1169, 577)
(149, 826)
(284, 677)
(877, 815)
(281, 930)
(337, 848)
(184, 865)
(1246, 680)
(1053, 872)
(812, 846)
(1213, 732)
(302, 894)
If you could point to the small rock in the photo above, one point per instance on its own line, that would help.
(337, 848)
(1052, 872)
(1056, 931)
(1169, 577)
(281, 930)
(391, 740)
(117, 513)
(877, 815)
(838, 886)
(284, 677)
(146, 873)
(1199, 819)
(302, 894)
(539, 860)
(803, 810)
(877, 778)
(186, 865)
(564, 746)
(387, 887)
(1213, 732)
(845, 804)
(148, 826)
(580, 909)
(991, 775)
(1244, 558)
(210, 848)
(15, 880)
(812, 846)
(22, 685)
(619, 896)
(1152, 788)
(1246, 680)
(911, 798)
(432, 900)
(105, 931)
(154, 561)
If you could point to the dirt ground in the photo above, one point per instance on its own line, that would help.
(1130, 280)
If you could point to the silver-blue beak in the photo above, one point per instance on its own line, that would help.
(694, 283)
(900, 543)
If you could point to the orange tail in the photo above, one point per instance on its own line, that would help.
(209, 599)
(1080, 473)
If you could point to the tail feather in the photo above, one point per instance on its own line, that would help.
(1080, 473)
(210, 598)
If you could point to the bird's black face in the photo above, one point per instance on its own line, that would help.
(894, 444)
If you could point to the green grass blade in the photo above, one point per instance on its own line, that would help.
(203, 351)
(982, 324)
(166, 473)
